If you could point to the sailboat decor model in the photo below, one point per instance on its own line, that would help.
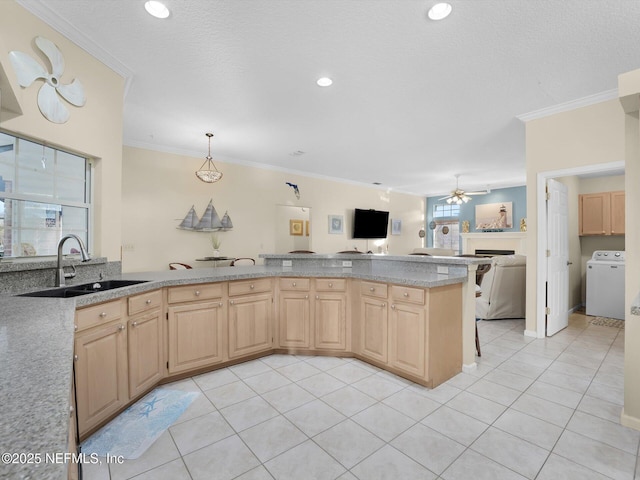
(209, 222)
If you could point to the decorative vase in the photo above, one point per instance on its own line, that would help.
(216, 253)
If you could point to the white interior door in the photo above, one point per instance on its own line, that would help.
(557, 258)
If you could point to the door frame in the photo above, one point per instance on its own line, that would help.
(541, 246)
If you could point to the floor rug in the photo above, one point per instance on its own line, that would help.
(135, 429)
(607, 322)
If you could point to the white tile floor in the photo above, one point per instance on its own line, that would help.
(535, 408)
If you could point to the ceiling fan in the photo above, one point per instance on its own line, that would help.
(458, 196)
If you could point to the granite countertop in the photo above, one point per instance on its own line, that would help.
(36, 351)
(36, 354)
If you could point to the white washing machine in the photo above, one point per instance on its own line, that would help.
(605, 284)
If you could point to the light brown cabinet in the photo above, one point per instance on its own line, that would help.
(331, 315)
(417, 333)
(294, 313)
(374, 324)
(312, 315)
(408, 330)
(602, 213)
(144, 340)
(250, 317)
(101, 373)
(196, 318)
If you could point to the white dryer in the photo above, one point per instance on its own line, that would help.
(605, 284)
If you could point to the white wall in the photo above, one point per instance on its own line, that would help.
(159, 188)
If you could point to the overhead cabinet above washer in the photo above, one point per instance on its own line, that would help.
(602, 213)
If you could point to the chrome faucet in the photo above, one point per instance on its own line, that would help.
(60, 275)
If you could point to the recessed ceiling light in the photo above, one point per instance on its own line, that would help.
(157, 9)
(324, 81)
(439, 11)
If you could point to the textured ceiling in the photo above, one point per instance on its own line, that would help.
(413, 103)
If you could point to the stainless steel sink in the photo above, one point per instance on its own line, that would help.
(84, 289)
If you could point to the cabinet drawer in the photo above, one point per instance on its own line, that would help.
(331, 284)
(407, 294)
(250, 286)
(144, 301)
(189, 293)
(295, 284)
(97, 314)
(373, 289)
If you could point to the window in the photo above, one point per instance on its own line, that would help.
(44, 195)
(447, 235)
(446, 210)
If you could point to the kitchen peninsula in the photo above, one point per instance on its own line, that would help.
(345, 305)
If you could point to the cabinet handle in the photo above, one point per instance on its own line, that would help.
(393, 307)
(252, 286)
(120, 328)
(293, 284)
(372, 289)
(219, 304)
(75, 358)
(307, 296)
(317, 297)
(134, 324)
(231, 302)
(406, 294)
(383, 304)
(330, 285)
(197, 293)
(148, 302)
(71, 410)
(75, 328)
(103, 314)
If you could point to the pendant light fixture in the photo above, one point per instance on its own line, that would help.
(210, 174)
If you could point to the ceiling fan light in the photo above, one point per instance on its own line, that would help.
(465, 199)
(449, 200)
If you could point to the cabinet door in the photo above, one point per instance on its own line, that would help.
(294, 321)
(195, 335)
(373, 321)
(250, 324)
(330, 319)
(407, 338)
(617, 213)
(594, 217)
(145, 352)
(101, 373)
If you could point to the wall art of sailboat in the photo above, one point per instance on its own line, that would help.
(209, 222)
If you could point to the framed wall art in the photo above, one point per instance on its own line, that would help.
(336, 224)
(296, 227)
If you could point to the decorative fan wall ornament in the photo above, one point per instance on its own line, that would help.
(29, 70)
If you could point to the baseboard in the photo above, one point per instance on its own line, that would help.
(531, 333)
(469, 368)
(629, 421)
(576, 308)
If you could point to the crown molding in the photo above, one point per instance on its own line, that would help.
(571, 105)
(45, 13)
(262, 166)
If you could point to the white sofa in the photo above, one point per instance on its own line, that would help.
(503, 289)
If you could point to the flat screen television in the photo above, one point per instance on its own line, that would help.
(370, 223)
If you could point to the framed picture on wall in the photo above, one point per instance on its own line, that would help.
(295, 227)
(396, 226)
(336, 224)
(307, 228)
(494, 216)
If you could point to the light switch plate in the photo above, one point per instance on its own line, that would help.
(287, 263)
(442, 269)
